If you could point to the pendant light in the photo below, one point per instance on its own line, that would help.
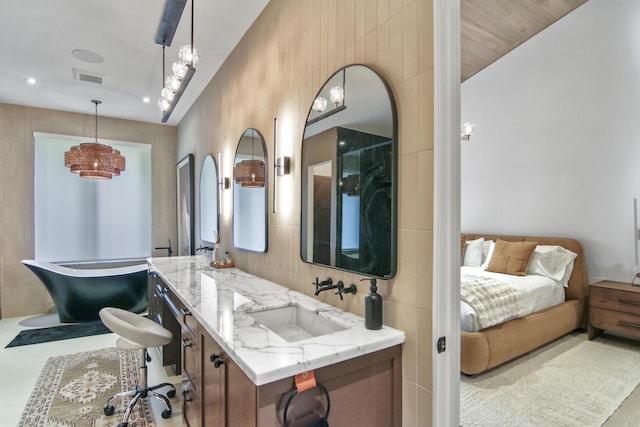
(250, 173)
(175, 84)
(93, 160)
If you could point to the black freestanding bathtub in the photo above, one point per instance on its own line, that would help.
(79, 294)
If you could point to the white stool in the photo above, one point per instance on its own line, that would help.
(137, 332)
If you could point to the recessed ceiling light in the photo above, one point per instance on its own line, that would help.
(31, 80)
(146, 99)
(87, 56)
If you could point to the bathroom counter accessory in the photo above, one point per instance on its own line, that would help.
(223, 301)
(230, 265)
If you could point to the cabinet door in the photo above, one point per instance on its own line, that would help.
(191, 355)
(213, 378)
(153, 298)
(160, 312)
(190, 404)
(240, 397)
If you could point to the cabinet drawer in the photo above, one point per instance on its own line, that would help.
(190, 404)
(173, 304)
(190, 355)
(624, 323)
(189, 320)
(628, 302)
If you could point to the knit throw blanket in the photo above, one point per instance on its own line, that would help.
(493, 301)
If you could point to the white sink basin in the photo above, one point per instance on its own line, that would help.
(295, 323)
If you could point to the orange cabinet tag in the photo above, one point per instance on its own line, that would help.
(305, 381)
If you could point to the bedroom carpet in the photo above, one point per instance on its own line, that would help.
(571, 382)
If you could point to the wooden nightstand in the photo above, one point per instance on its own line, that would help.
(614, 306)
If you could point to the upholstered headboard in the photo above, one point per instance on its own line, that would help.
(579, 281)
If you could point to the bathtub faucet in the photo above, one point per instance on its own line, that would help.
(168, 248)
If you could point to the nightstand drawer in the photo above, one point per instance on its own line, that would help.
(626, 302)
(624, 323)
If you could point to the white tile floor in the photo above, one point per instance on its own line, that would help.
(21, 366)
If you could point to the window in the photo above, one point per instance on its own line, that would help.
(79, 220)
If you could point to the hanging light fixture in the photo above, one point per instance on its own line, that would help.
(336, 96)
(250, 173)
(183, 70)
(93, 160)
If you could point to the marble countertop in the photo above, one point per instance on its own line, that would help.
(220, 299)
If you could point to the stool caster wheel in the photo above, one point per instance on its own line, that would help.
(123, 425)
(109, 410)
(171, 393)
(166, 413)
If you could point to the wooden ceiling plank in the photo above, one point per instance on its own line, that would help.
(489, 29)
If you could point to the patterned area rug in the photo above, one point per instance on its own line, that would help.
(571, 382)
(72, 390)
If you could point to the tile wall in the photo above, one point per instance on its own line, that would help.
(275, 71)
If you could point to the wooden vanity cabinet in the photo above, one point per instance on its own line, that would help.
(213, 380)
(191, 359)
(366, 390)
(161, 312)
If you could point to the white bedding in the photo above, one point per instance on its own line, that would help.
(536, 293)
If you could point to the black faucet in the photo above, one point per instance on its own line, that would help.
(168, 248)
(325, 285)
(203, 248)
(351, 289)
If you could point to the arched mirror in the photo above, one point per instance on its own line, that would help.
(250, 193)
(208, 200)
(349, 175)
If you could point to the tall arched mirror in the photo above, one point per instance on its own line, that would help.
(250, 193)
(208, 200)
(349, 175)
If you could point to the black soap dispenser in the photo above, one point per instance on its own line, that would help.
(372, 306)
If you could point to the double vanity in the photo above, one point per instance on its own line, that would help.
(240, 340)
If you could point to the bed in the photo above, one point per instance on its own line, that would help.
(491, 346)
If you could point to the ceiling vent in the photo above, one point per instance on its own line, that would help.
(89, 76)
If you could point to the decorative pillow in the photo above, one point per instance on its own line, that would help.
(472, 256)
(487, 250)
(552, 261)
(511, 257)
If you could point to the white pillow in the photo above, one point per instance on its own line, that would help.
(552, 261)
(473, 253)
(487, 250)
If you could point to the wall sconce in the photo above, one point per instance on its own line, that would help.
(223, 183)
(467, 130)
(281, 165)
(174, 85)
(336, 95)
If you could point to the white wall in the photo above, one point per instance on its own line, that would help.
(556, 149)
